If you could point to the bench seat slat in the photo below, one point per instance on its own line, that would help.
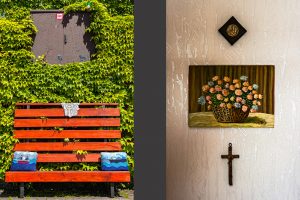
(70, 146)
(59, 112)
(68, 176)
(72, 122)
(49, 134)
(55, 157)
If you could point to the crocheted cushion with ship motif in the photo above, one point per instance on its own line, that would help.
(24, 161)
(114, 161)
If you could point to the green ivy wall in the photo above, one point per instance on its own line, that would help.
(107, 78)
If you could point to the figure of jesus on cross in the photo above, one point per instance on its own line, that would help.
(230, 157)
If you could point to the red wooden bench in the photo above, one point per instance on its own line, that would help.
(36, 127)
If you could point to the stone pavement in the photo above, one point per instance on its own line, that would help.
(66, 198)
(128, 195)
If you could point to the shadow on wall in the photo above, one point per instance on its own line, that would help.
(83, 19)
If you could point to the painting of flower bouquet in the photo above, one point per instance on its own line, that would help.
(231, 96)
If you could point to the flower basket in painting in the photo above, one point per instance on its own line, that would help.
(226, 115)
(230, 100)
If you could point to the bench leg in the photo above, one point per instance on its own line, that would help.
(112, 190)
(21, 190)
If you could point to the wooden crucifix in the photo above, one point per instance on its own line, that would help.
(230, 157)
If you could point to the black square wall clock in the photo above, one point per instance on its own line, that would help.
(232, 30)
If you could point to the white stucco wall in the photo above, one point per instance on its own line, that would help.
(269, 164)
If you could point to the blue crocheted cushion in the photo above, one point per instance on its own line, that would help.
(116, 161)
(24, 161)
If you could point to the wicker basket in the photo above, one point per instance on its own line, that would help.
(232, 115)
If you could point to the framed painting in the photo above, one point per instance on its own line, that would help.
(231, 96)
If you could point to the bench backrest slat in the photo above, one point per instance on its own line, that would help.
(70, 146)
(59, 112)
(67, 157)
(59, 104)
(53, 134)
(72, 122)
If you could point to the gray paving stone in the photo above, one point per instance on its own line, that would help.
(65, 198)
(129, 196)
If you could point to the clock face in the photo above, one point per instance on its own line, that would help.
(232, 30)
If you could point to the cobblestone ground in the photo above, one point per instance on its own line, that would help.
(123, 195)
(128, 195)
(66, 198)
